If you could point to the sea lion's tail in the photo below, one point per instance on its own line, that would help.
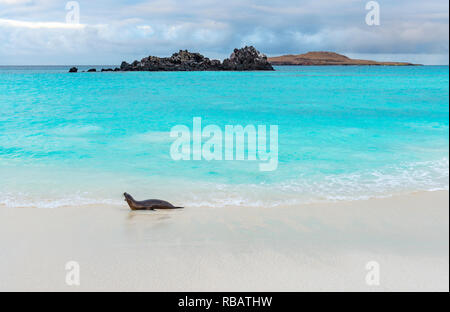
(176, 207)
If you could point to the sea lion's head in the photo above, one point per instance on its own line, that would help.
(127, 196)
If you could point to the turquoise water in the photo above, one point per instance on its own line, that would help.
(343, 133)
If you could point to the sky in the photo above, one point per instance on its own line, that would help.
(37, 32)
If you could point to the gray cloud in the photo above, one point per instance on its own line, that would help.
(32, 31)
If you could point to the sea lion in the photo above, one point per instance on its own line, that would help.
(149, 204)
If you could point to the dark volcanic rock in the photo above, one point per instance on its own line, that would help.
(73, 70)
(92, 70)
(247, 58)
(107, 69)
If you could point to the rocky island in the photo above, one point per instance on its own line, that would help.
(244, 59)
(326, 58)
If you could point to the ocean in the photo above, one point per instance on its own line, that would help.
(344, 133)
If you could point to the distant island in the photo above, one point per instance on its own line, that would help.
(326, 58)
(244, 59)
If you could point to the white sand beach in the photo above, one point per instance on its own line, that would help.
(319, 247)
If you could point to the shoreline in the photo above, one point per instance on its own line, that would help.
(309, 247)
(258, 199)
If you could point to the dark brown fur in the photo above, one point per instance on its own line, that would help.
(149, 204)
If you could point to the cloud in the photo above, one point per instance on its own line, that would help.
(110, 31)
(36, 25)
(11, 2)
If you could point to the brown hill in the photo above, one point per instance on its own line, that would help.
(326, 58)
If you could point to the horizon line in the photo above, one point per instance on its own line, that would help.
(118, 65)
